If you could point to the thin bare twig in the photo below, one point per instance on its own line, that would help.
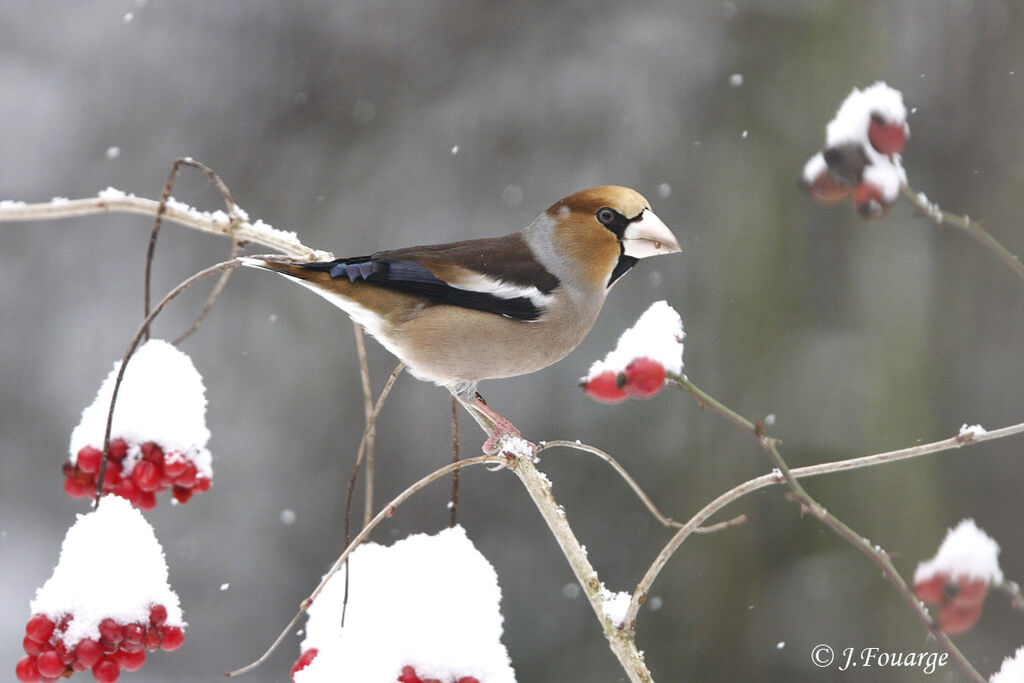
(644, 498)
(973, 229)
(454, 502)
(218, 287)
(384, 513)
(206, 272)
(874, 553)
(693, 525)
(162, 208)
(364, 377)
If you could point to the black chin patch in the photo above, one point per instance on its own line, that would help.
(622, 267)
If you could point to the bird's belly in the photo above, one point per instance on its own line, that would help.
(443, 348)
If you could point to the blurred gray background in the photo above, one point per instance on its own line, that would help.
(341, 119)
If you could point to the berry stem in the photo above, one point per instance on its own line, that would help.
(972, 228)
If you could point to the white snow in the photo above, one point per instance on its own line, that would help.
(1012, 670)
(657, 335)
(736, 80)
(813, 168)
(162, 399)
(851, 121)
(112, 152)
(111, 566)
(615, 605)
(59, 201)
(111, 193)
(11, 204)
(430, 602)
(967, 552)
(976, 430)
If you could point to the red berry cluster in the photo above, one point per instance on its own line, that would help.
(959, 600)
(642, 378)
(119, 647)
(843, 173)
(304, 660)
(155, 473)
(409, 675)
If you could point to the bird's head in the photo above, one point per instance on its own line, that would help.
(609, 225)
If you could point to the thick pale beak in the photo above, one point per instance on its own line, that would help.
(648, 236)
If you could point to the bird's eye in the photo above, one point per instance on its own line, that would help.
(605, 216)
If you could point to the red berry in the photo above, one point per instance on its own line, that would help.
(89, 459)
(174, 464)
(111, 631)
(955, 620)
(79, 667)
(153, 639)
(304, 660)
(188, 477)
(827, 190)
(152, 453)
(31, 647)
(39, 628)
(932, 589)
(66, 656)
(468, 679)
(157, 615)
(118, 449)
(869, 201)
(26, 670)
(130, 661)
(49, 664)
(146, 475)
(887, 138)
(106, 670)
(607, 387)
(203, 484)
(173, 638)
(181, 494)
(77, 489)
(408, 675)
(134, 633)
(88, 652)
(112, 474)
(969, 593)
(644, 377)
(127, 489)
(146, 500)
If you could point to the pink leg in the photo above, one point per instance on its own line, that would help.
(502, 427)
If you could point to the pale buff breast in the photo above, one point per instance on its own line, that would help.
(489, 346)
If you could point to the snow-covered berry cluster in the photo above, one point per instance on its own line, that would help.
(957, 579)
(862, 159)
(409, 675)
(644, 356)
(119, 647)
(450, 627)
(107, 602)
(158, 435)
(152, 471)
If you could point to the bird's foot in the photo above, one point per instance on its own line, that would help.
(506, 437)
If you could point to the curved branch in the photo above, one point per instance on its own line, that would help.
(217, 223)
(972, 229)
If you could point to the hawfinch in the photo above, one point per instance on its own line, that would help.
(466, 311)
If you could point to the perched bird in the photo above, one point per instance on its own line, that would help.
(466, 311)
